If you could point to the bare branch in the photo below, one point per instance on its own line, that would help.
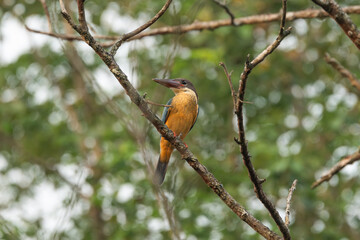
(46, 10)
(227, 10)
(288, 202)
(342, 19)
(67, 17)
(82, 19)
(255, 19)
(343, 71)
(228, 76)
(210, 25)
(135, 97)
(242, 138)
(283, 17)
(67, 37)
(335, 169)
(140, 29)
(70, 37)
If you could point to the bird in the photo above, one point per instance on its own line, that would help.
(179, 115)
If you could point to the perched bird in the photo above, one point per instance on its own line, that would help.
(180, 117)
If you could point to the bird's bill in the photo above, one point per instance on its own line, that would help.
(170, 83)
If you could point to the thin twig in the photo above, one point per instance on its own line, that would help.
(283, 17)
(228, 76)
(343, 71)
(67, 17)
(140, 29)
(288, 203)
(70, 37)
(337, 167)
(227, 10)
(67, 37)
(342, 19)
(157, 104)
(210, 25)
(46, 10)
(249, 65)
(82, 18)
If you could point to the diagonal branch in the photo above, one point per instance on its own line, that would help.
(135, 97)
(46, 10)
(242, 138)
(335, 169)
(343, 71)
(342, 19)
(67, 17)
(139, 29)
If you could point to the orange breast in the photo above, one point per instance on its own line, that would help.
(182, 116)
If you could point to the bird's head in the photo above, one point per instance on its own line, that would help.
(177, 85)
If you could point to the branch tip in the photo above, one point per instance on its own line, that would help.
(288, 202)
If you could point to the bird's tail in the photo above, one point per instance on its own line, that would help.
(160, 172)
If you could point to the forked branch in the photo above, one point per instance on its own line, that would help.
(257, 182)
(342, 19)
(126, 36)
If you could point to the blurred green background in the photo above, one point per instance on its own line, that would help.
(75, 152)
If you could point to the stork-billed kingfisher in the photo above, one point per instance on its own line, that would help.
(180, 117)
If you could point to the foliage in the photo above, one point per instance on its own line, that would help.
(67, 138)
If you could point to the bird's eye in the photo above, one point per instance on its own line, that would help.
(183, 82)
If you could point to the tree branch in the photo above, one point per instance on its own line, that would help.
(288, 202)
(340, 16)
(209, 25)
(228, 76)
(82, 19)
(337, 167)
(242, 138)
(140, 29)
(343, 71)
(135, 97)
(227, 10)
(46, 10)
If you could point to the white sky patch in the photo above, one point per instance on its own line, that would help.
(106, 81)
(300, 26)
(47, 205)
(125, 23)
(289, 43)
(309, 123)
(291, 121)
(334, 99)
(316, 110)
(125, 193)
(12, 41)
(73, 173)
(157, 225)
(202, 221)
(19, 177)
(16, 40)
(3, 162)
